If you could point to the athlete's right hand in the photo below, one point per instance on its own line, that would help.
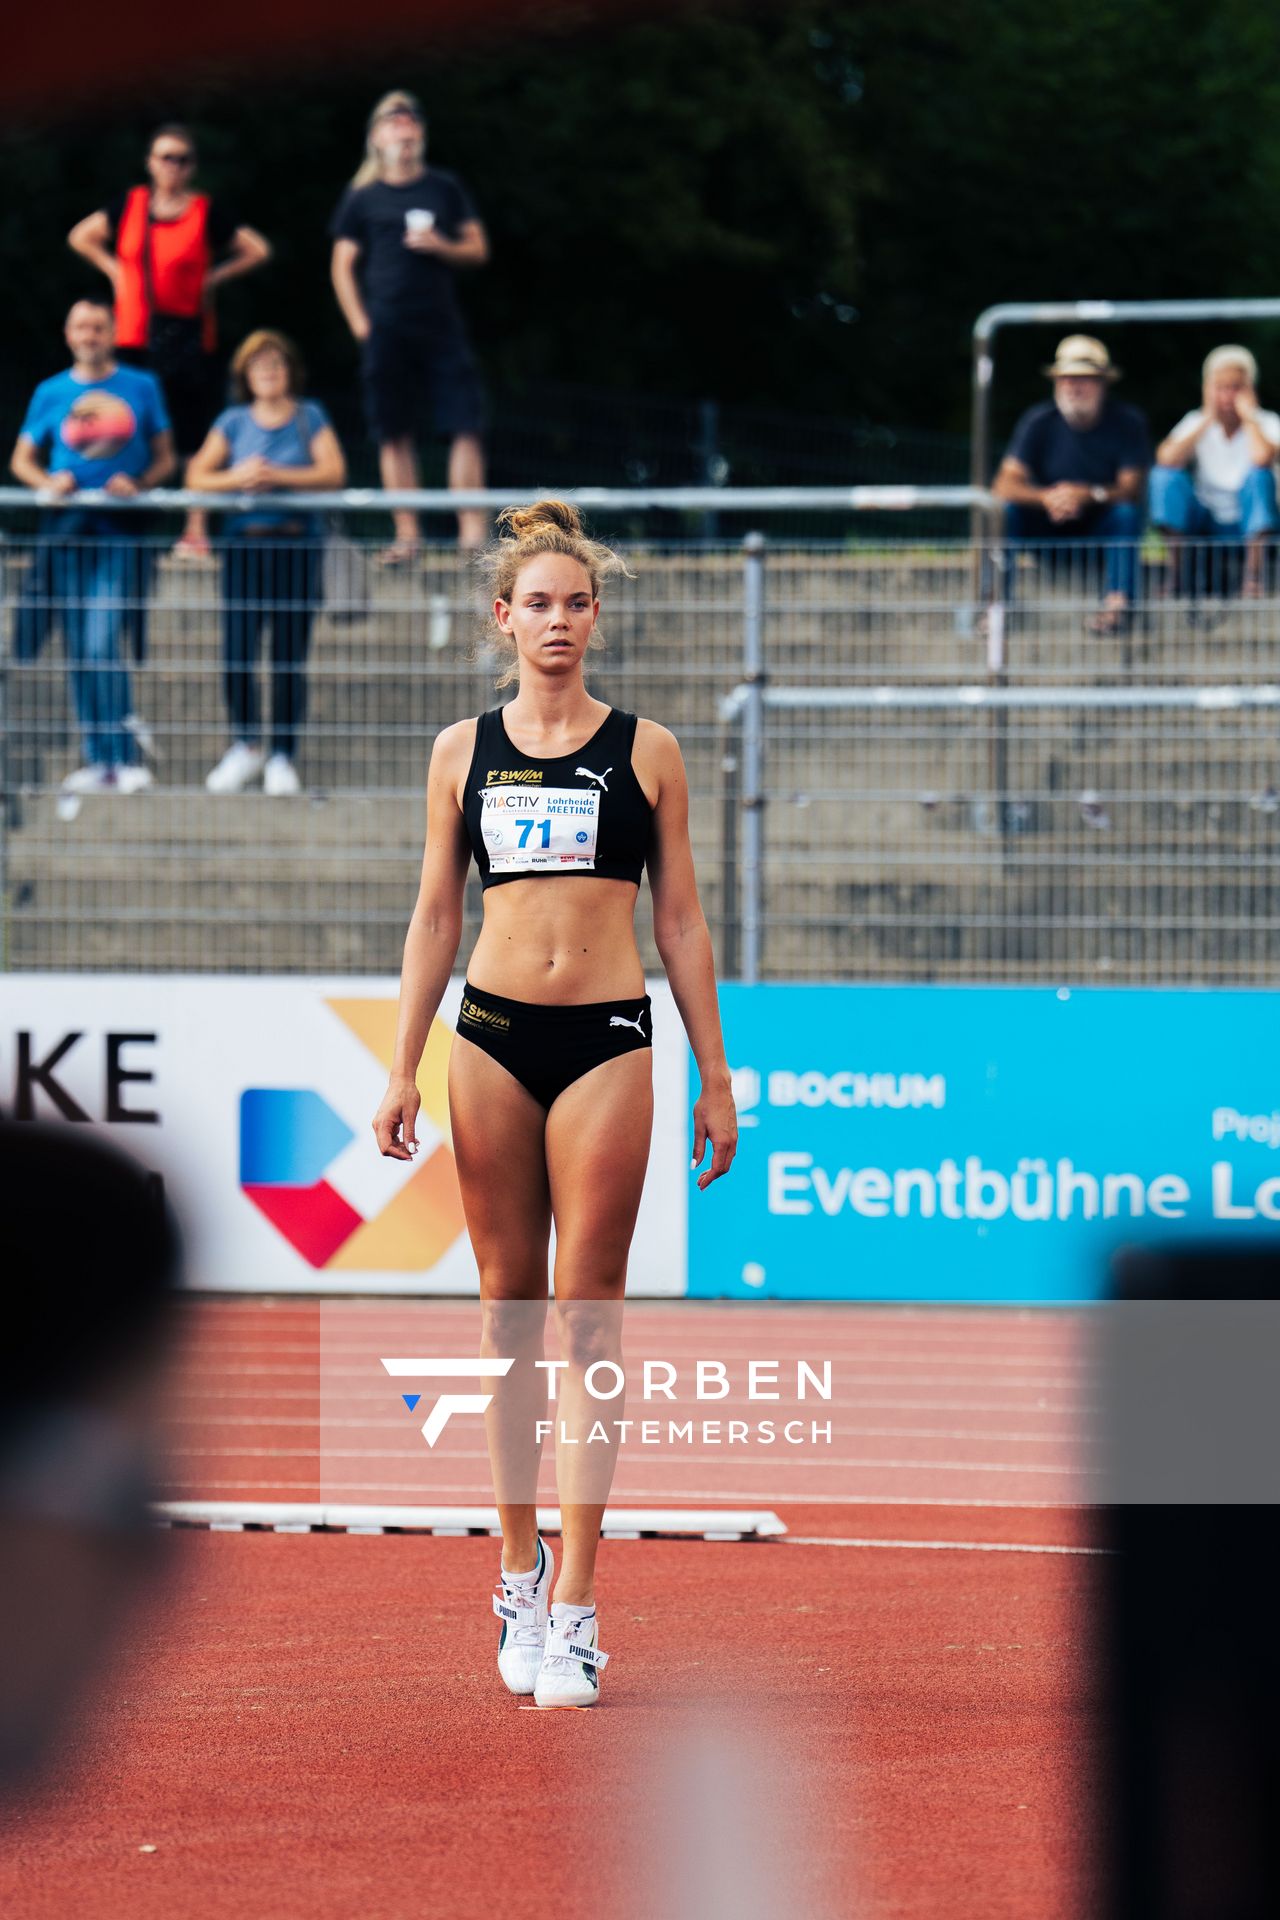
(393, 1123)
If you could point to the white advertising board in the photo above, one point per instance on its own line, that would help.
(253, 1099)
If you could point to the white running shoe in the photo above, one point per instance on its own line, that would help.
(238, 766)
(134, 779)
(572, 1664)
(521, 1605)
(280, 775)
(96, 778)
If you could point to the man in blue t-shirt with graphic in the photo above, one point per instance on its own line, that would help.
(98, 426)
(1075, 471)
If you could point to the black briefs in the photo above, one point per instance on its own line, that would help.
(547, 1048)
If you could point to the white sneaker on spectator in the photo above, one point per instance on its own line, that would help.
(240, 764)
(92, 779)
(280, 775)
(133, 779)
(142, 734)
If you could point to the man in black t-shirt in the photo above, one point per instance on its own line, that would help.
(400, 233)
(1075, 471)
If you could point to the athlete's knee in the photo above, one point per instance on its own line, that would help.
(513, 1325)
(590, 1331)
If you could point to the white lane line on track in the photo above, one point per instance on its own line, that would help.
(480, 1489)
(415, 1453)
(936, 1546)
(378, 1397)
(979, 1351)
(329, 1422)
(947, 1314)
(330, 1374)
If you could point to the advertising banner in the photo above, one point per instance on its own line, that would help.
(254, 1099)
(984, 1143)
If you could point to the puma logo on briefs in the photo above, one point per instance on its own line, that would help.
(616, 1020)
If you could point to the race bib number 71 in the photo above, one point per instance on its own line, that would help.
(540, 829)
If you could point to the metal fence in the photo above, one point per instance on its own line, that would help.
(890, 780)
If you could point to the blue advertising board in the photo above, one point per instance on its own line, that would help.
(984, 1143)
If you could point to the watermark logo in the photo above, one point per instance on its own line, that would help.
(653, 1380)
(448, 1403)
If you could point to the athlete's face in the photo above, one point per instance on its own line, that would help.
(550, 614)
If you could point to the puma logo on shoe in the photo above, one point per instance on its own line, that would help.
(594, 776)
(616, 1020)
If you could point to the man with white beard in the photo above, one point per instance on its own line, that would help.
(1074, 474)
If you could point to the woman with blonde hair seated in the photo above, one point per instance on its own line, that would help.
(272, 441)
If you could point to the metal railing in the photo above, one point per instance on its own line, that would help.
(629, 500)
(878, 791)
(1053, 313)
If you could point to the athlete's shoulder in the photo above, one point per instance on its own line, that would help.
(656, 740)
(656, 761)
(455, 744)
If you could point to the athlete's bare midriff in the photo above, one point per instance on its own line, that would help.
(562, 939)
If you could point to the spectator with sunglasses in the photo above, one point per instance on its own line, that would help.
(158, 245)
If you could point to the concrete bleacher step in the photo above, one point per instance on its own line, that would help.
(882, 858)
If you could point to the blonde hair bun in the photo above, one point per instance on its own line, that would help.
(544, 516)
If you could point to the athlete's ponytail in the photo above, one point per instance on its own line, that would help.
(547, 526)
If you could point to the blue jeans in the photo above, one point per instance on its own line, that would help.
(91, 579)
(1113, 534)
(1174, 506)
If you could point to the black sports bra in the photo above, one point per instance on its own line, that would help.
(582, 812)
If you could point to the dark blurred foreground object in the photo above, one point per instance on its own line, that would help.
(90, 1261)
(1192, 1794)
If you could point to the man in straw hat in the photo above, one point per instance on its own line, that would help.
(1215, 472)
(401, 233)
(1074, 473)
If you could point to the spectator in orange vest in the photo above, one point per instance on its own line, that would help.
(158, 246)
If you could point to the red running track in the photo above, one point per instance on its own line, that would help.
(313, 1725)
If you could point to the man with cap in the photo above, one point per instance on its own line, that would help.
(1215, 472)
(1074, 473)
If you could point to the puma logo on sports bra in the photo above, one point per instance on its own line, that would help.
(528, 816)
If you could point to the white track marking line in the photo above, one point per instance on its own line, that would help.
(329, 1423)
(937, 1546)
(978, 1351)
(476, 1489)
(187, 1396)
(670, 1460)
(330, 1375)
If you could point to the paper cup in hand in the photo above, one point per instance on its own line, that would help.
(419, 220)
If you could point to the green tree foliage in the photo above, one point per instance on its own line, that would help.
(798, 206)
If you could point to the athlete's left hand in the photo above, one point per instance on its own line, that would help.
(715, 1118)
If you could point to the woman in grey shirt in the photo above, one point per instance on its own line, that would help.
(274, 440)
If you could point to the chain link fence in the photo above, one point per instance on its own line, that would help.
(939, 763)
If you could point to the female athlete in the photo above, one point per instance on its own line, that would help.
(562, 800)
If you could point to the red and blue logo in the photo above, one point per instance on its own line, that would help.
(291, 1136)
